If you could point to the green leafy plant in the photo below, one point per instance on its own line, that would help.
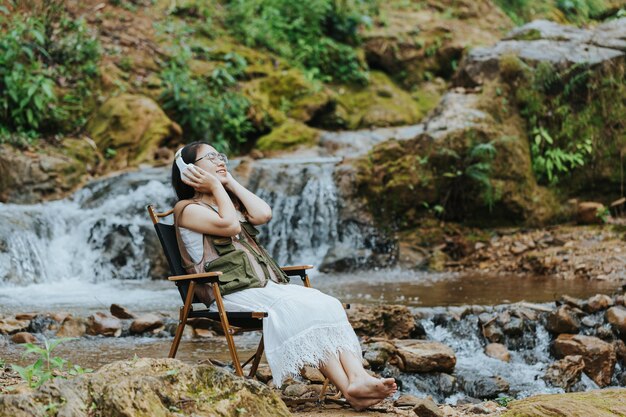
(46, 366)
(550, 161)
(48, 63)
(317, 35)
(504, 401)
(467, 175)
(603, 213)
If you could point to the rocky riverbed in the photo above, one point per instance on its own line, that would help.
(457, 357)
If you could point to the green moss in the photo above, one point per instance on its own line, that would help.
(381, 103)
(596, 403)
(290, 134)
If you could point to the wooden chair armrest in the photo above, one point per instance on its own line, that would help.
(296, 270)
(202, 277)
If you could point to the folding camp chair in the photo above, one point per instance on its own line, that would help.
(231, 322)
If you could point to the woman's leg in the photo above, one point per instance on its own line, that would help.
(334, 370)
(360, 383)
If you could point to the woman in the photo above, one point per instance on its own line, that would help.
(304, 326)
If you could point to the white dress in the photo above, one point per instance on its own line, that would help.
(304, 326)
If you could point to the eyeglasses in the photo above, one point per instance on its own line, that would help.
(214, 157)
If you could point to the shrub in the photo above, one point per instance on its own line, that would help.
(317, 35)
(207, 109)
(48, 63)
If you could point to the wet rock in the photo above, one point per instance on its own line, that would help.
(149, 387)
(566, 372)
(204, 333)
(605, 333)
(598, 302)
(599, 356)
(479, 386)
(389, 321)
(579, 404)
(438, 385)
(104, 324)
(10, 326)
(72, 327)
(424, 356)
(312, 374)
(378, 353)
(563, 320)
(589, 321)
(515, 327)
(572, 302)
(146, 323)
(588, 211)
(427, 408)
(121, 312)
(493, 333)
(41, 323)
(23, 337)
(617, 317)
(498, 351)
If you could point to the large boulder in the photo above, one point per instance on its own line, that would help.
(130, 128)
(148, 387)
(599, 356)
(470, 160)
(549, 42)
(563, 320)
(596, 403)
(424, 356)
(567, 83)
(389, 321)
(28, 177)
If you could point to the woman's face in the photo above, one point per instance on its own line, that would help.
(210, 162)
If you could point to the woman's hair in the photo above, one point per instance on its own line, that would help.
(184, 191)
(189, 152)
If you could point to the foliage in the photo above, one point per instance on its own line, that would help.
(575, 117)
(317, 35)
(466, 176)
(46, 366)
(573, 11)
(48, 63)
(504, 401)
(208, 108)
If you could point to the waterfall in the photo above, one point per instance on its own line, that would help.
(102, 232)
(96, 234)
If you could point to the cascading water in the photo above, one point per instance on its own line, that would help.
(102, 233)
(475, 373)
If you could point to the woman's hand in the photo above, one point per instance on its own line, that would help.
(201, 180)
(227, 181)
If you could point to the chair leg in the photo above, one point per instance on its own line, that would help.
(257, 358)
(182, 319)
(227, 330)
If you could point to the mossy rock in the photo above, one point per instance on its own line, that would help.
(438, 172)
(147, 388)
(379, 104)
(130, 128)
(288, 94)
(289, 135)
(595, 403)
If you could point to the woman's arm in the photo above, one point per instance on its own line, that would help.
(259, 212)
(203, 219)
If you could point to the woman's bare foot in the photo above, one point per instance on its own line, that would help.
(368, 387)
